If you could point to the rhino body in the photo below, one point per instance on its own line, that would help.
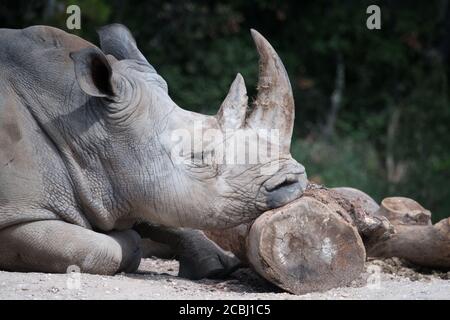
(85, 156)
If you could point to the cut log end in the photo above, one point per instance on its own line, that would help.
(305, 247)
(400, 210)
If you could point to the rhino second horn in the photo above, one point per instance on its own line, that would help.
(232, 112)
(274, 105)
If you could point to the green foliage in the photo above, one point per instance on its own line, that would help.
(392, 133)
(346, 162)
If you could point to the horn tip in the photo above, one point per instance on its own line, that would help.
(239, 78)
(238, 85)
(255, 34)
(262, 45)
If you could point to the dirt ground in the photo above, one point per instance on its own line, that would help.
(156, 279)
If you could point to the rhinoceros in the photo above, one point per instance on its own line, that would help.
(86, 156)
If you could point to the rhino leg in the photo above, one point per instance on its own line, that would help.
(53, 246)
(199, 257)
(160, 250)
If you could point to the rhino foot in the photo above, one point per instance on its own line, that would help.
(204, 259)
(199, 256)
(130, 242)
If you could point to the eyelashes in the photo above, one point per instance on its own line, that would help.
(201, 157)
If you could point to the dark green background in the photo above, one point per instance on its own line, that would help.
(391, 135)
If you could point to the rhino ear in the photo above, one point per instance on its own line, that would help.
(117, 40)
(93, 72)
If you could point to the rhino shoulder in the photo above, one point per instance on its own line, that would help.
(32, 175)
(47, 36)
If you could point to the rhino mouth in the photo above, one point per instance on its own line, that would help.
(286, 190)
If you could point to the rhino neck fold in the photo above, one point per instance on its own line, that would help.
(100, 213)
(85, 160)
(69, 133)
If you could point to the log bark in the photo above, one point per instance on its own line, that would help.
(415, 239)
(308, 245)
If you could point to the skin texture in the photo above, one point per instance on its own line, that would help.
(86, 141)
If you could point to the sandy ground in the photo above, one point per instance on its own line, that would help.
(156, 279)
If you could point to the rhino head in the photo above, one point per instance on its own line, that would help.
(183, 169)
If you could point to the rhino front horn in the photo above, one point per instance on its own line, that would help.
(274, 104)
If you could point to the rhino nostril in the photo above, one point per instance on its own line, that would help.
(286, 183)
(281, 182)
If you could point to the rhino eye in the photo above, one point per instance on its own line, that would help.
(196, 156)
(200, 158)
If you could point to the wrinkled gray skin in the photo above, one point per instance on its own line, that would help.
(85, 154)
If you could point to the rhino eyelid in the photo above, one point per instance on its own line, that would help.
(200, 163)
(198, 154)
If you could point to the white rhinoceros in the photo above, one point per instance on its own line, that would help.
(86, 153)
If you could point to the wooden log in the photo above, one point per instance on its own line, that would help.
(290, 246)
(414, 238)
(305, 246)
(404, 211)
(356, 207)
(357, 197)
